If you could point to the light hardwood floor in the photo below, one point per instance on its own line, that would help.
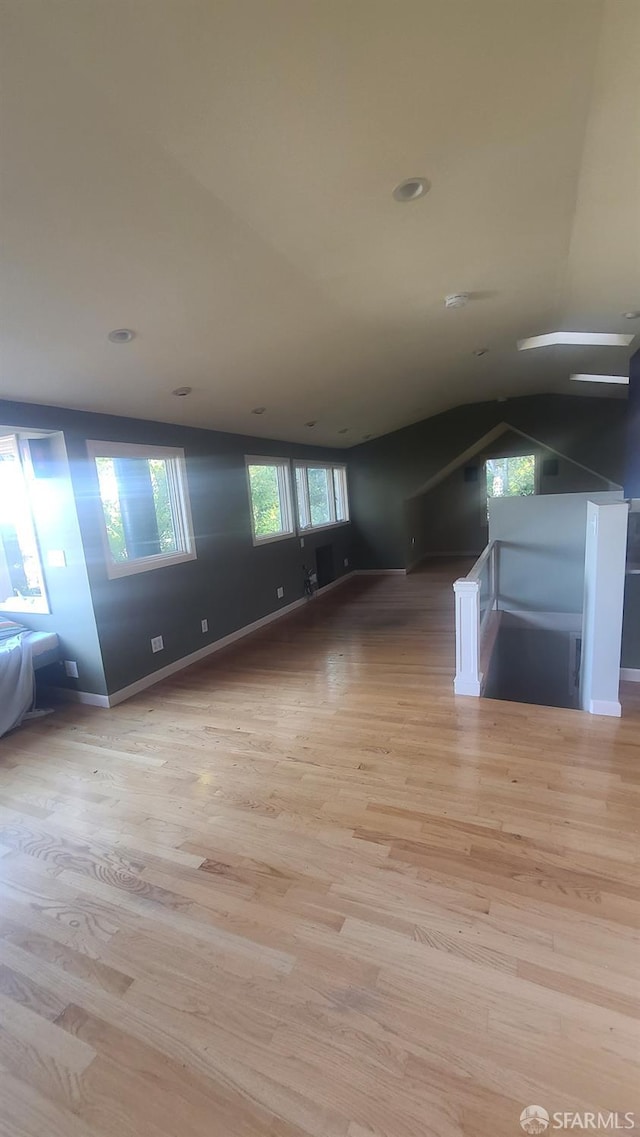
(299, 889)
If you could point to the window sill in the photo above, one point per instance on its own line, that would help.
(257, 541)
(320, 528)
(148, 564)
(25, 604)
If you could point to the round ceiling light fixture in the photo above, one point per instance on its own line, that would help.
(411, 189)
(121, 335)
(258, 410)
(631, 315)
(457, 300)
(182, 391)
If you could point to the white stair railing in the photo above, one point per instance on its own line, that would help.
(476, 597)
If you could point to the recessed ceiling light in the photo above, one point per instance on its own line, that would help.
(481, 351)
(121, 335)
(580, 339)
(182, 391)
(411, 189)
(631, 315)
(258, 410)
(457, 300)
(312, 422)
(601, 378)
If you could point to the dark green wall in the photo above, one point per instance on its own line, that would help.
(231, 583)
(452, 516)
(631, 623)
(386, 472)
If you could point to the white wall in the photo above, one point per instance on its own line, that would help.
(604, 573)
(542, 549)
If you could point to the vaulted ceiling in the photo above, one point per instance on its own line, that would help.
(217, 175)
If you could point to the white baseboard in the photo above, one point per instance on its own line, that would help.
(630, 674)
(605, 707)
(464, 686)
(333, 584)
(68, 695)
(201, 653)
(117, 697)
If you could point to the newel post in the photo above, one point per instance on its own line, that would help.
(468, 678)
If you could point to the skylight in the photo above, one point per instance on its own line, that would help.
(601, 378)
(580, 339)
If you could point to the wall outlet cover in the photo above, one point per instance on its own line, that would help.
(346, 562)
(302, 542)
(157, 643)
(280, 593)
(204, 624)
(71, 668)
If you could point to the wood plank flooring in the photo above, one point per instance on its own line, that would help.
(301, 890)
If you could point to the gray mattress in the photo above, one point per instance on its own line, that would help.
(45, 648)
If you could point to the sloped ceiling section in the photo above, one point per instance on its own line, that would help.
(218, 177)
(481, 444)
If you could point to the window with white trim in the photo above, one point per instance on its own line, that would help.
(146, 517)
(270, 496)
(321, 493)
(22, 587)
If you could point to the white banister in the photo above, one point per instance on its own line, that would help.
(604, 578)
(468, 678)
(476, 601)
(476, 571)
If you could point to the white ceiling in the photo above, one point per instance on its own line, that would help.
(217, 175)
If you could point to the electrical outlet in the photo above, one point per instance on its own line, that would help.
(157, 643)
(280, 593)
(346, 562)
(71, 668)
(302, 542)
(413, 540)
(204, 624)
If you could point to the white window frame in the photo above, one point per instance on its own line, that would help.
(180, 499)
(12, 444)
(304, 505)
(536, 479)
(283, 466)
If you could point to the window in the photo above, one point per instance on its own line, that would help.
(270, 495)
(514, 476)
(511, 477)
(21, 577)
(146, 519)
(321, 492)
